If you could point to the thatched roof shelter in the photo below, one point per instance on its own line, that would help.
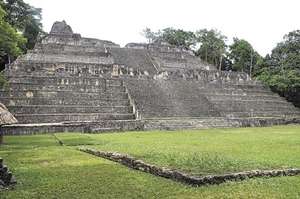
(5, 116)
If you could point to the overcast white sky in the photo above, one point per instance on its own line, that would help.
(261, 22)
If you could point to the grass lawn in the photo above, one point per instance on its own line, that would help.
(46, 170)
(213, 151)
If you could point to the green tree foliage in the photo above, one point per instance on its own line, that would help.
(209, 44)
(244, 57)
(177, 37)
(24, 18)
(12, 43)
(281, 69)
(212, 46)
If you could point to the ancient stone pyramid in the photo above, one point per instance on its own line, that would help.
(71, 83)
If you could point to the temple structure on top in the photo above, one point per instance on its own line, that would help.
(72, 83)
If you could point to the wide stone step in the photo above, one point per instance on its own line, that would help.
(201, 123)
(86, 88)
(234, 85)
(72, 53)
(263, 114)
(65, 101)
(63, 94)
(71, 80)
(66, 58)
(243, 97)
(232, 91)
(44, 109)
(245, 86)
(74, 117)
(257, 102)
(172, 113)
(254, 107)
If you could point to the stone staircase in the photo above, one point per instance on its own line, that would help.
(67, 100)
(238, 101)
(174, 123)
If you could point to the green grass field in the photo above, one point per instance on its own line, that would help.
(44, 169)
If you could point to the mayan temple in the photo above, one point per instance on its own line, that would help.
(71, 83)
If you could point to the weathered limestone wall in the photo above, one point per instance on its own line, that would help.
(68, 58)
(57, 48)
(77, 41)
(207, 76)
(30, 68)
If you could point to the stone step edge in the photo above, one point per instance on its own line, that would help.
(209, 94)
(179, 176)
(239, 95)
(62, 90)
(206, 118)
(181, 118)
(219, 119)
(233, 101)
(56, 98)
(74, 123)
(55, 84)
(61, 77)
(67, 106)
(74, 114)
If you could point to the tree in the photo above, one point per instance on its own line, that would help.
(212, 46)
(149, 35)
(24, 18)
(18, 17)
(281, 69)
(177, 37)
(12, 43)
(244, 57)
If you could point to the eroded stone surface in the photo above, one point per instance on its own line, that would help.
(61, 27)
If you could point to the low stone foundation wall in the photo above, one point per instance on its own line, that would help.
(142, 125)
(6, 177)
(263, 122)
(78, 127)
(185, 178)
